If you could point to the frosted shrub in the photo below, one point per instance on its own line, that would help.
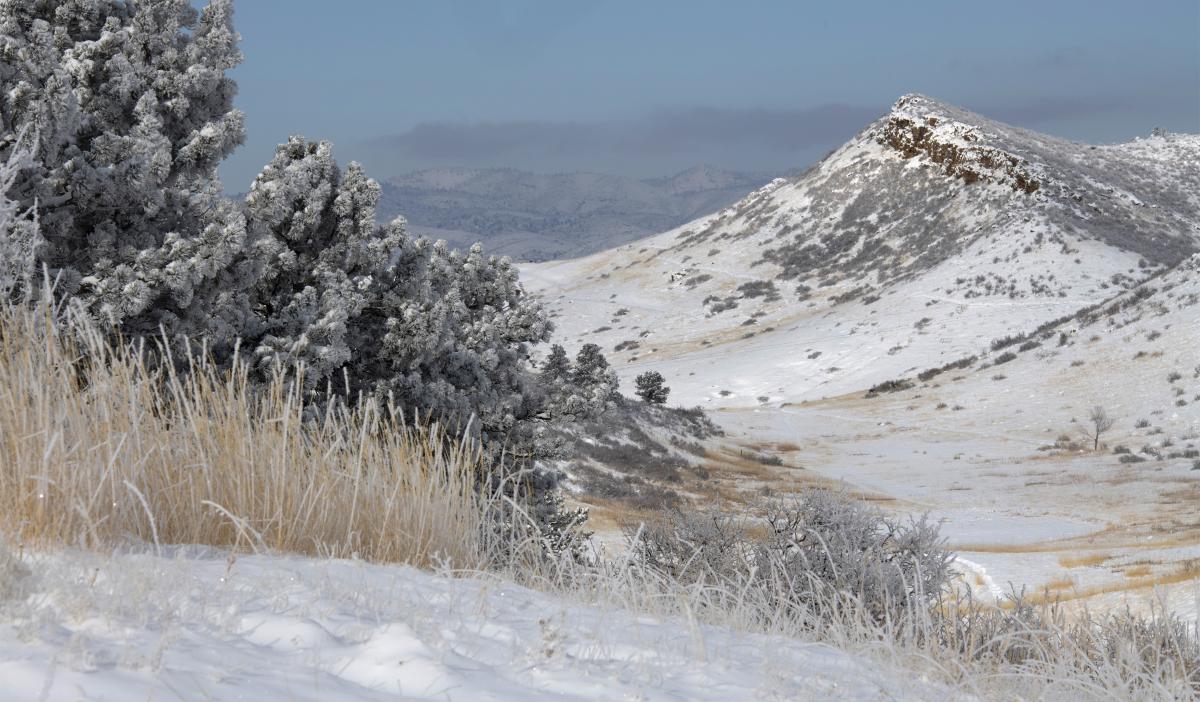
(817, 550)
(695, 545)
(826, 539)
(317, 248)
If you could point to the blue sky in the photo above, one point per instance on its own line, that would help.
(649, 88)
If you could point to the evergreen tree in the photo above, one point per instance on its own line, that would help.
(557, 366)
(652, 388)
(450, 334)
(591, 366)
(313, 229)
(129, 112)
(593, 381)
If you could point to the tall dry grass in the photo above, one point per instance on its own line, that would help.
(100, 445)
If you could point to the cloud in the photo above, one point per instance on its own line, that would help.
(755, 139)
(1061, 59)
(1048, 110)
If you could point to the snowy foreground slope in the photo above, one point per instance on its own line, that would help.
(194, 625)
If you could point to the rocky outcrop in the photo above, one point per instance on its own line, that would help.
(955, 147)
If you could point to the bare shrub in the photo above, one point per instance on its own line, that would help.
(1099, 422)
(1004, 358)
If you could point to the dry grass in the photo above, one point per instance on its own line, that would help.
(1138, 571)
(99, 446)
(1184, 572)
(1083, 560)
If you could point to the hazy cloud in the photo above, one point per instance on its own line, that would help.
(1057, 59)
(1036, 111)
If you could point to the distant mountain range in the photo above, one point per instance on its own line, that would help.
(537, 217)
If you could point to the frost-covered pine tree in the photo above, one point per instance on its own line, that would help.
(652, 388)
(450, 333)
(557, 366)
(593, 380)
(128, 111)
(318, 250)
(376, 312)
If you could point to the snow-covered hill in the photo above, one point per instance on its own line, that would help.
(928, 317)
(531, 216)
(931, 233)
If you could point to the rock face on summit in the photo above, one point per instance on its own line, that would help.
(929, 234)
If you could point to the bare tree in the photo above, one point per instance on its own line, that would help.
(1101, 421)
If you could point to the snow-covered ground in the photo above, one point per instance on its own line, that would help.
(194, 624)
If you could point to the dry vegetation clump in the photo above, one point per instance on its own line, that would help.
(793, 577)
(833, 570)
(104, 443)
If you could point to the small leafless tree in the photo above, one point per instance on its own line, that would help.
(1101, 421)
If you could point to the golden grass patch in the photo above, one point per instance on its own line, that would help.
(1063, 583)
(98, 444)
(1083, 560)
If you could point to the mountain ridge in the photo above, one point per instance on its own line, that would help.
(532, 216)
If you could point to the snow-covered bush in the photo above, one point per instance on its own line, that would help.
(593, 380)
(818, 545)
(578, 391)
(372, 311)
(450, 332)
(853, 548)
(318, 250)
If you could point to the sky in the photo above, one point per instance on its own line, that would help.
(651, 88)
